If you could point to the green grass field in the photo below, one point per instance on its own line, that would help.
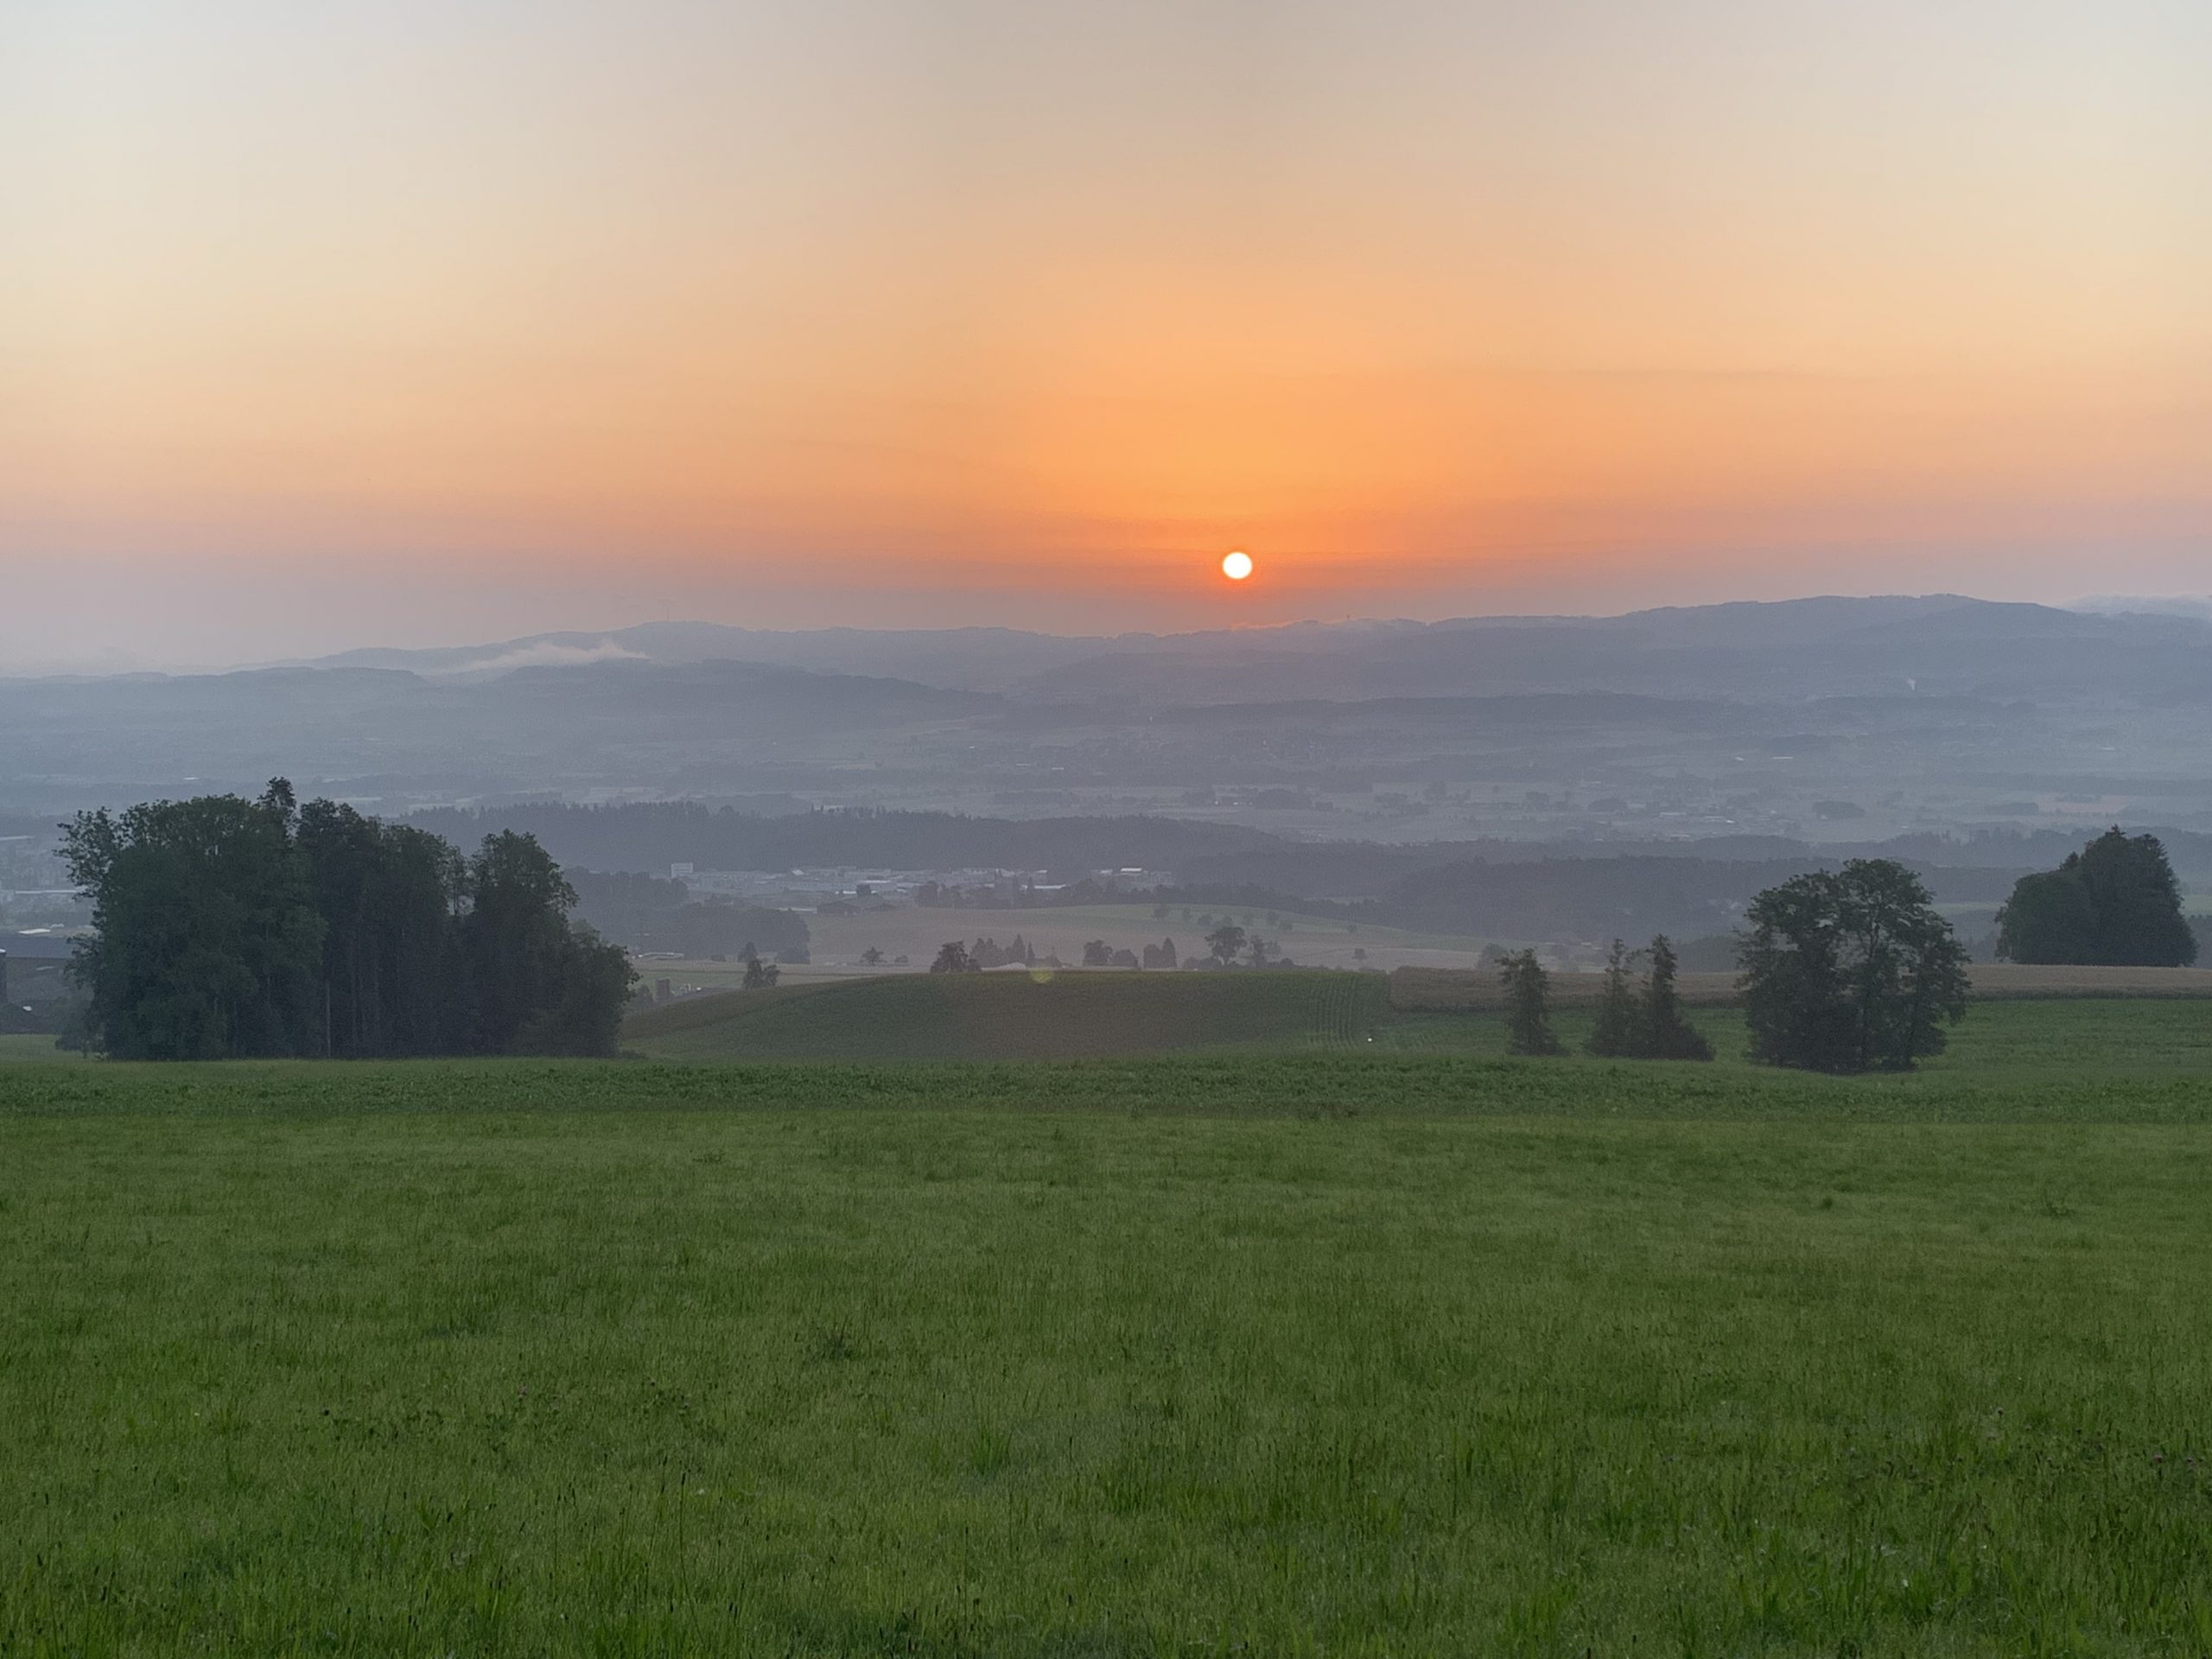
(1016, 1016)
(31, 1046)
(1342, 1349)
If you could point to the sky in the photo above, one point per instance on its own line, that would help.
(433, 321)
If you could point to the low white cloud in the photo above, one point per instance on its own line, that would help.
(547, 654)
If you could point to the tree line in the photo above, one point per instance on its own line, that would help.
(1854, 969)
(228, 928)
(1843, 970)
(1634, 1022)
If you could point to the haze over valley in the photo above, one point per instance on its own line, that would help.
(1442, 786)
(1822, 720)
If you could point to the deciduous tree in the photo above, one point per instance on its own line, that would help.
(207, 942)
(1616, 1034)
(1850, 971)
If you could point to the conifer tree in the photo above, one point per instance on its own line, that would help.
(1618, 1033)
(1665, 1033)
(1528, 1006)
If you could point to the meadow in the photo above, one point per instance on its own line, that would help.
(1343, 1348)
(33, 1047)
(2085, 1018)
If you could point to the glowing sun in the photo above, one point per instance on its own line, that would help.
(1237, 566)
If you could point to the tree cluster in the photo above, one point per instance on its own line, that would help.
(229, 928)
(1017, 952)
(1228, 941)
(1850, 971)
(1644, 1023)
(2115, 903)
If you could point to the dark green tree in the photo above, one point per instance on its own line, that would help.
(1528, 1006)
(1850, 971)
(2048, 918)
(584, 1019)
(388, 895)
(1226, 943)
(74, 1030)
(1617, 1033)
(209, 944)
(534, 984)
(2115, 903)
(953, 959)
(228, 927)
(1663, 1032)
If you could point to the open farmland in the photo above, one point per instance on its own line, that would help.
(837, 944)
(1320, 1353)
(2141, 1019)
(916, 933)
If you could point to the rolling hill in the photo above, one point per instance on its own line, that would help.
(1015, 1016)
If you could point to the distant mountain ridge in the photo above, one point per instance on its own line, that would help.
(1853, 643)
(1708, 720)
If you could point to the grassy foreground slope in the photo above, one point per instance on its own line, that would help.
(1321, 1353)
(1014, 1015)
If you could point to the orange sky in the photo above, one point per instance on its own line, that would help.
(425, 318)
